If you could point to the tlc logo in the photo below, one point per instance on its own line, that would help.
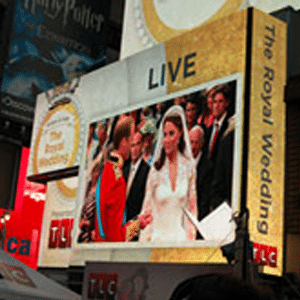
(102, 286)
(60, 233)
(265, 255)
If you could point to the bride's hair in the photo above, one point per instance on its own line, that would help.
(176, 120)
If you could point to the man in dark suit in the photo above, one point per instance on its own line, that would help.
(135, 173)
(221, 188)
(221, 120)
(203, 170)
(213, 143)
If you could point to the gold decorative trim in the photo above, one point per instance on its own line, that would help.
(161, 32)
(66, 191)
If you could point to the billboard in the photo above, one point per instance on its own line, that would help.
(178, 71)
(50, 43)
(131, 105)
(147, 23)
(59, 134)
(22, 232)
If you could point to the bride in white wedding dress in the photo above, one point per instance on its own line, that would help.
(171, 183)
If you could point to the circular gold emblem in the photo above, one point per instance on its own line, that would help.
(165, 19)
(57, 142)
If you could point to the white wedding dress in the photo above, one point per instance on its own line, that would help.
(170, 224)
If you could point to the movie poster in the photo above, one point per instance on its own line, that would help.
(51, 43)
(173, 183)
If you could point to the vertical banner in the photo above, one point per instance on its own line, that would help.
(58, 222)
(265, 190)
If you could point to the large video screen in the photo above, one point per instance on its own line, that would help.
(165, 174)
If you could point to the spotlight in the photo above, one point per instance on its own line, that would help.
(7, 216)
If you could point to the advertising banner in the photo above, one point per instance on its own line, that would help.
(265, 186)
(51, 42)
(21, 233)
(58, 223)
(147, 23)
(59, 134)
(164, 138)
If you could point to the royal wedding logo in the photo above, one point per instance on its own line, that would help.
(60, 133)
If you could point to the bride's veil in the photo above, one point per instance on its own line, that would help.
(175, 110)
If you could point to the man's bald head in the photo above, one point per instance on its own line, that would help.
(197, 139)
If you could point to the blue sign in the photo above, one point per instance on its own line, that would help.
(52, 41)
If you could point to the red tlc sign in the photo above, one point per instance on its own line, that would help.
(265, 255)
(60, 235)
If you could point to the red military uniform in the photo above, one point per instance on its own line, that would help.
(110, 206)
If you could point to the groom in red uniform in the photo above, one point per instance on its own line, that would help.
(111, 223)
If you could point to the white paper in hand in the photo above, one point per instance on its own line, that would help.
(218, 225)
